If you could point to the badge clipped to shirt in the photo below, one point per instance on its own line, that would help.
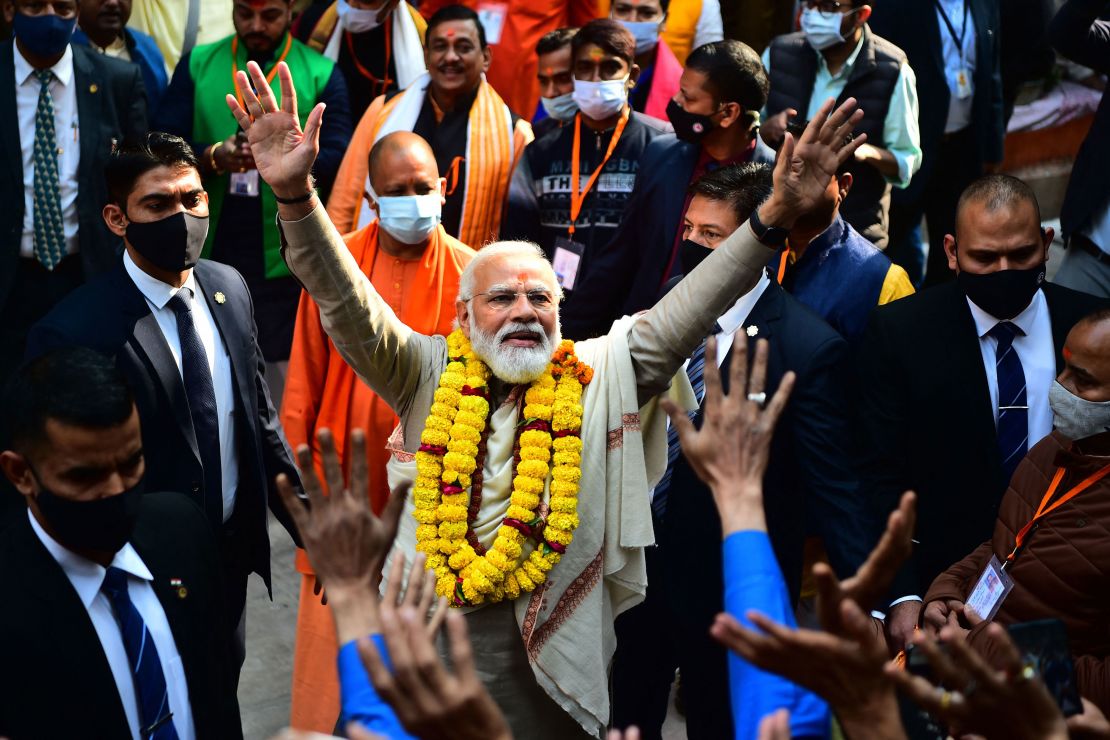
(963, 83)
(568, 256)
(993, 586)
(245, 183)
(492, 16)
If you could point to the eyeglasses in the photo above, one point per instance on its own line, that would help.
(503, 300)
(827, 6)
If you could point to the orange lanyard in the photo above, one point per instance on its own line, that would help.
(385, 81)
(269, 77)
(782, 264)
(578, 198)
(1044, 509)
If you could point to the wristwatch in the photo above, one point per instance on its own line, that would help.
(770, 236)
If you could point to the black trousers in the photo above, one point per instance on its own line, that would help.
(655, 638)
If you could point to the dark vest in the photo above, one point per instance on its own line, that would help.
(793, 70)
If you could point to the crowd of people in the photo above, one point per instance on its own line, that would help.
(604, 359)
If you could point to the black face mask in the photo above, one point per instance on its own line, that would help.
(1005, 293)
(688, 126)
(691, 254)
(173, 243)
(102, 525)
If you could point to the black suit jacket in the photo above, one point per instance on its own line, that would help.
(926, 422)
(913, 26)
(56, 681)
(109, 314)
(111, 106)
(809, 475)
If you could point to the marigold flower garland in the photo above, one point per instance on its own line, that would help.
(448, 463)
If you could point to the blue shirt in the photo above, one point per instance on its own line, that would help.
(359, 701)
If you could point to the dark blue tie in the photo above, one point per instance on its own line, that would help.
(201, 394)
(1013, 408)
(146, 667)
(695, 370)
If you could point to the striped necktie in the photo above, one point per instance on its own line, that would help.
(695, 370)
(1013, 406)
(49, 237)
(150, 681)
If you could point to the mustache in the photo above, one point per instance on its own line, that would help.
(516, 327)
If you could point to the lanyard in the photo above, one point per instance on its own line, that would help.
(576, 197)
(959, 39)
(1044, 509)
(385, 81)
(269, 77)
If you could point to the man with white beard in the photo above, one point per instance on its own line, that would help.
(531, 457)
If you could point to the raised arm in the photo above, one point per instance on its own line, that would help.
(670, 331)
(374, 342)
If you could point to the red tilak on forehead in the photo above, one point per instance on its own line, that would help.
(547, 70)
(449, 33)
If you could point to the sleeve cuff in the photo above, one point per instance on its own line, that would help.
(912, 597)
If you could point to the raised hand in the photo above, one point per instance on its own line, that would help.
(729, 453)
(804, 168)
(283, 153)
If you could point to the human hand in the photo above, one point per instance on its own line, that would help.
(729, 453)
(345, 543)
(632, 733)
(775, 726)
(901, 624)
(431, 702)
(1003, 700)
(283, 153)
(804, 168)
(940, 613)
(773, 128)
(1090, 724)
(418, 595)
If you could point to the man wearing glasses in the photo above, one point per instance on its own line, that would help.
(836, 55)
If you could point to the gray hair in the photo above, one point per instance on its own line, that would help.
(502, 249)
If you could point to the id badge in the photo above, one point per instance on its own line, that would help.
(492, 16)
(963, 83)
(568, 257)
(993, 586)
(245, 183)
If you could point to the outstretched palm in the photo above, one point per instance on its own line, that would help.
(283, 153)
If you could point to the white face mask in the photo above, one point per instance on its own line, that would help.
(602, 99)
(410, 219)
(646, 34)
(822, 30)
(1075, 417)
(561, 107)
(357, 20)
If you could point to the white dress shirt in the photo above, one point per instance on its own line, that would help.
(87, 578)
(157, 295)
(955, 59)
(63, 89)
(1038, 359)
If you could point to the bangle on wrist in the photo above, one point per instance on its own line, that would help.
(212, 159)
(299, 199)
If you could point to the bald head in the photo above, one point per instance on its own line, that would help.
(402, 163)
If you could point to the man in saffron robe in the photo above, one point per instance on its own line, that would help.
(475, 137)
(415, 267)
(543, 636)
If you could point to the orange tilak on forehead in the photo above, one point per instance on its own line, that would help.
(449, 33)
(596, 53)
(548, 71)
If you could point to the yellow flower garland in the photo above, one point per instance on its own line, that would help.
(448, 457)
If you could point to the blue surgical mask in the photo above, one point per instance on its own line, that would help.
(410, 219)
(646, 34)
(561, 107)
(822, 30)
(357, 20)
(600, 100)
(43, 35)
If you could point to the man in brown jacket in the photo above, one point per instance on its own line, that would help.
(1062, 567)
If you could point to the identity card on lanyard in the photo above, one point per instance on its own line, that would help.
(963, 74)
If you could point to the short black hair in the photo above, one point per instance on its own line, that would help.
(734, 72)
(555, 40)
(138, 156)
(743, 186)
(455, 13)
(74, 385)
(998, 191)
(608, 35)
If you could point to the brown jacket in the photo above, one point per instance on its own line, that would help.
(1063, 571)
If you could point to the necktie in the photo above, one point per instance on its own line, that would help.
(695, 370)
(199, 390)
(1013, 408)
(146, 667)
(49, 238)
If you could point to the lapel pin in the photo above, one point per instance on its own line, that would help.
(177, 584)
(752, 330)
(220, 297)
(93, 88)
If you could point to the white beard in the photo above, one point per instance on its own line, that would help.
(514, 364)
